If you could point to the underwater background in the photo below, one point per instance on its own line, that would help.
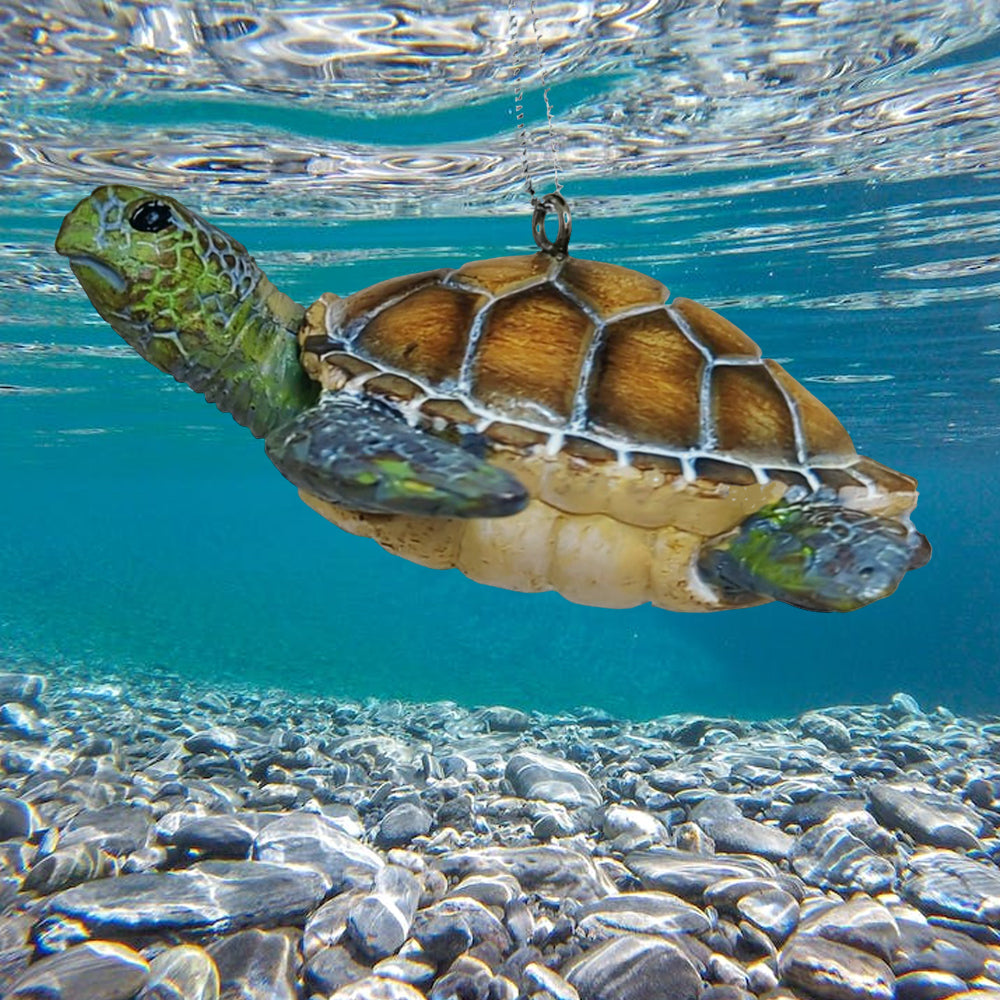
(826, 175)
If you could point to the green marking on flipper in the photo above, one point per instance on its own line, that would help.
(394, 468)
(814, 555)
(358, 454)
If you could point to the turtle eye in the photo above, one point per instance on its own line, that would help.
(151, 217)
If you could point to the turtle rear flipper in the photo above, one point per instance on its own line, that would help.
(813, 555)
(356, 453)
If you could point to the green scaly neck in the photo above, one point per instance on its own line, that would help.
(259, 380)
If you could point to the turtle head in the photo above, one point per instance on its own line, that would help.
(190, 300)
(815, 555)
(166, 280)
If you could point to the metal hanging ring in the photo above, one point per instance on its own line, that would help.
(556, 204)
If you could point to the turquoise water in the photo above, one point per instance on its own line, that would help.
(141, 530)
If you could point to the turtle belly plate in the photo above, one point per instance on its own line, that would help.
(588, 558)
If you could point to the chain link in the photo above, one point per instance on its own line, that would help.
(516, 49)
(543, 76)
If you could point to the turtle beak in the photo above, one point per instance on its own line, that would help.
(89, 270)
(77, 240)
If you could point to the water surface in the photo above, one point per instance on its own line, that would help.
(831, 186)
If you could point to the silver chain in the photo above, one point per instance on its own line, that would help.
(522, 132)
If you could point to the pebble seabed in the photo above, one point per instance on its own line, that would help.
(164, 840)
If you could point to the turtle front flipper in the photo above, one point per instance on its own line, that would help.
(356, 453)
(816, 556)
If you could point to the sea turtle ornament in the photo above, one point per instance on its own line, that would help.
(541, 422)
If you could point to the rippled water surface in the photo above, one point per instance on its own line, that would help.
(826, 174)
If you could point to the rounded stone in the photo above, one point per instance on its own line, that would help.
(690, 875)
(185, 972)
(331, 968)
(96, 970)
(224, 836)
(406, 970)
(551, 821)
(534, 775)
(724, 971)
(67, 867)
(453, 926)
(928, 984)
(544, 980)
(903, 705)
(551, 871)
(727, 892)
(24, 688)
(18, 819)
(981, 792)
(722, 820)
(621, 821)
(377, 988)
(655, 913)
(829, 731)
(954, 885)
(932, 818)
(501, 719)
(861, 923)
(54, 934)
(219, 739)
(403, 823)
(466, 977)
(773, 911)
(118, 828)
(258, 965)
(209, 896)
(380, 922)
(23, 721)
(942, 949)
(314, 840)
(636, 967)
(828, 855)
(490, 890)
(760, 976)
(829, 970)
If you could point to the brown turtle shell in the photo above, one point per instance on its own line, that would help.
(605, 399)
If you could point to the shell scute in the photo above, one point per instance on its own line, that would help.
(609, 289)
(452, 410)
(888, 480)
(425, 333)
(751, 416)
(394, 388)
(590, 451)
(880, 490)
(514, 435)
(356, 310)
(721, 338)
(529, 355)
(646, 383)
(837, 479)
(790, 477)
(503, 275)
(666, 465)
(823, 434)
(332, 369)
(714, 470)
